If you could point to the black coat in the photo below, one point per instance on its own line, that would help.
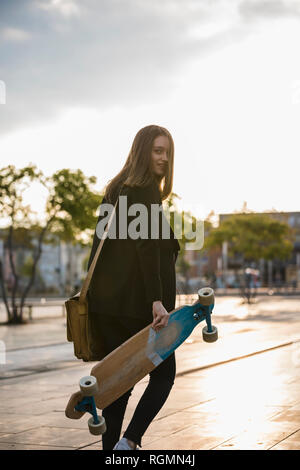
(131, 274)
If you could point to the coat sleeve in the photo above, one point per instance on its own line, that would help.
(148, 249)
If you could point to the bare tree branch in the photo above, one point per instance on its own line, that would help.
(35, 262)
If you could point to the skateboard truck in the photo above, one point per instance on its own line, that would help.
(204, 310)
(84, 402)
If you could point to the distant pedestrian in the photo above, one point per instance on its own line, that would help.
(134, 282)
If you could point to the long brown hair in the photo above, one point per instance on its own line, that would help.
(137, 168)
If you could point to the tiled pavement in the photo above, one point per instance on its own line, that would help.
(250, 403)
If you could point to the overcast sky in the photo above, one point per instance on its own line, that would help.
(82, 77)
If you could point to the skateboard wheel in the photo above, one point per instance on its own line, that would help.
(70, 411)
(74, 414)
(206, 296)
(88, 386)
(99, 428)
(210, 337)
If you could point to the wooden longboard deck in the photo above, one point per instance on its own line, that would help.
(134, 359)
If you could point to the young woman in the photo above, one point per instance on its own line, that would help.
(134, 282)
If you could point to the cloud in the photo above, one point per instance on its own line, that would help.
(15, 35)
(63, 7)
(262, 9)
(104, 53)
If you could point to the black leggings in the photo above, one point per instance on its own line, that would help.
(115, 332)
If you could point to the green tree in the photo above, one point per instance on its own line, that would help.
(252, 237)
(70, 213)
(179, 221)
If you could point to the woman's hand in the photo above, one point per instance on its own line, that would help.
(160, 316)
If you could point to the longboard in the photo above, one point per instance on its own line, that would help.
(138, 356)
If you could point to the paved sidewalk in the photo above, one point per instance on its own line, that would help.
(227, 395)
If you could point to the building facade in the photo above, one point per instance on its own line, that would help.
(60, 269)
(221, 270)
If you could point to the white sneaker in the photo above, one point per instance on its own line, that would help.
(123, 445)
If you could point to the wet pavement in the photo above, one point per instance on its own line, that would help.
(242, 392)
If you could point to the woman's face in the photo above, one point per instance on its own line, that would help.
(159, 155)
